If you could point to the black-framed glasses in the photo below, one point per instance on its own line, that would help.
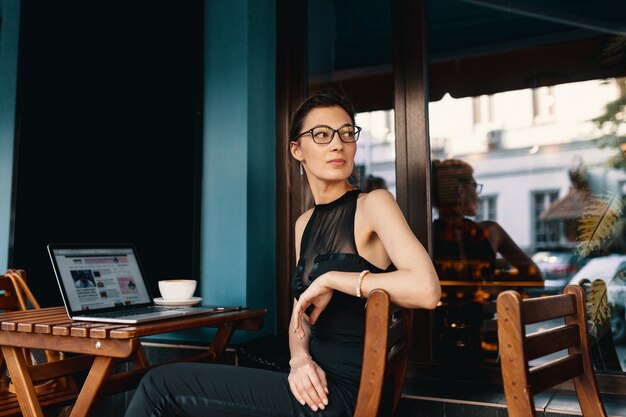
(324, 134)
(477, 187)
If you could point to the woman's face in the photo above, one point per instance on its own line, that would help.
(470, 198)
(333, 161)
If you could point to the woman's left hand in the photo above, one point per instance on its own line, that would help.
(317, 295)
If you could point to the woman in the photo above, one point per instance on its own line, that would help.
(457, 238)
(347, 245)
(466, 250)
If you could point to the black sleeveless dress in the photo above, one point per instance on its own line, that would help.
(336, 344)
(337, 337)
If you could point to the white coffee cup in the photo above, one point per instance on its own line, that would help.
(177, 289)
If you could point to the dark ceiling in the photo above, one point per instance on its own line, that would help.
(474, 46)
(462, 28)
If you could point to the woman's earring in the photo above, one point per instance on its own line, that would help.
(301, 170)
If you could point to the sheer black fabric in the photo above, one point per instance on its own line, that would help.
(328, 244)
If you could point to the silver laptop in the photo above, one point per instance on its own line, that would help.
(104, 283)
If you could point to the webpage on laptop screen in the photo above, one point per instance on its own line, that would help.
(101, 278)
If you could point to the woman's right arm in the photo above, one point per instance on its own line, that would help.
(503, 243)
(306, 379)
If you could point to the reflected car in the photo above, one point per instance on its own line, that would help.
(557, 268)
(612, 270)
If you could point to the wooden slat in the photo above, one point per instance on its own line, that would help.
(43, 312)
(62, 329)
(10, 323)
(27, 325)
(65, 328)
(395, 355)
(103, 332)
(46, 327)
(555, 372)
(549, 341)
(83, 329)
(10, 407)
(548, 308)
(67, 366)
(397, 330)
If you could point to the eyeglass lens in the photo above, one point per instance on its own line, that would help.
(476, 186)
(325, 134)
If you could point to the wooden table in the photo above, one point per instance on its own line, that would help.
(104, 344)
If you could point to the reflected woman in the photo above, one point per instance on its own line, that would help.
(463, 248)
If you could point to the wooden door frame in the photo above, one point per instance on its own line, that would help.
(291, 76)
(412, 140)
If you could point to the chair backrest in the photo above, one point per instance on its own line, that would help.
(8, 298)
(16, 295)
(385, 355)
(517, 348)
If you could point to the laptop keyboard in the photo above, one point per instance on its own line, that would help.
(133, 312)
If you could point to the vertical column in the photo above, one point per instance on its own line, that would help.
(291, 59)
(9, 39)
(238, 191)
(412, 140)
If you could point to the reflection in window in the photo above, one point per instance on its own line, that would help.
(543, 103)
(546, 231)
(553, 174)
(482, 109)
(376, 157)
(487, 208)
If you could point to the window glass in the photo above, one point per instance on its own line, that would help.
(528, 136)
(376, 157)
(352, 52)
(528, 186)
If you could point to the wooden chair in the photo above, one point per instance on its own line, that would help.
(60, 390)
(385, 355)
(16, 296)
(517, 348)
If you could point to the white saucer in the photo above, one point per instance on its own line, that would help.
(192, 301)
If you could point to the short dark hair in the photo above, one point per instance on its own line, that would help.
(322, 98)
(374, 183)
(447, 175)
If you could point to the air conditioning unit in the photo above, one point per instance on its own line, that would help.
(494, 139)
(438, 144)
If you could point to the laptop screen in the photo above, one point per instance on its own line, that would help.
(99, 278)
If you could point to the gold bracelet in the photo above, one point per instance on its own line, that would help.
(359, 280)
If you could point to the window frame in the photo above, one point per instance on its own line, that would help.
(536, 221)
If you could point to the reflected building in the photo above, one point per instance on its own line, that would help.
(522, 145)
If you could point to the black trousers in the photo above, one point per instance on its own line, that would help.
(205, 390)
